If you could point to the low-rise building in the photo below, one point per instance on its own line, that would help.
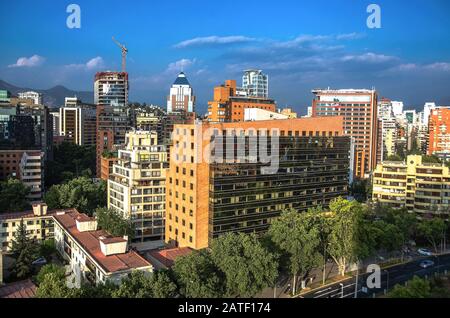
(38, 222)
(420, 187)
(94, 255)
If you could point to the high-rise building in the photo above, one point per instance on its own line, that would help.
(111, 89)
(359, 109)
(256, 83)
(78, 124)
(181, 96)
(34, 96)
(137, 187)
(269, 166)
(439, 132)
(5, 97)
(229, 106)
(420, 187)
(112, 126)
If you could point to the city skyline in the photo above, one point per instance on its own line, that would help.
(298, 46)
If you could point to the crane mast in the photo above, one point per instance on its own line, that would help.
(124, 54)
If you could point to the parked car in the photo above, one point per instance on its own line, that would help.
(40, 261)
(427, 263)
(424, 252)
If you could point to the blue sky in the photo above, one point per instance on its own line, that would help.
(301, 45)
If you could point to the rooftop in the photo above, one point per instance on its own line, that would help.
(181, 80)
(167, 256)
(90, 242)
(22, 289)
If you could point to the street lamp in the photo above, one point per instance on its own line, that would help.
(342, 290)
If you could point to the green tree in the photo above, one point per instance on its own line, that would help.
(113, 222)
(247, 265)
(163, 285)
(13, 196)
(70, 161)
(52, 286)
(388, 237)
(59, 272)
(433, 230)
(24, 250)
(416, 288)
(298, 235)
(345, 245)
(198, 277)
(81, 193)
(137, 285)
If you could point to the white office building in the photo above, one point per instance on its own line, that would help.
(256, 83)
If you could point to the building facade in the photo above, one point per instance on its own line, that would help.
(39, 225)
(78, 124)
(26, 166)
(181, 96)
(420, 187)
(256, 83)
(439, 132)
(206, 197)
(111, 89)
(136, 187)
(34, 96)
(359, 109)
(229, 106)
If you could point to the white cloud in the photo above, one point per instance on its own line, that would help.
(350, 36)
(213, 40)
(411, 67)
(179, 65)
(369, 58)
(93, 64)
(32, 61)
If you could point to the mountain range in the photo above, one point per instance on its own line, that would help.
(53, 97)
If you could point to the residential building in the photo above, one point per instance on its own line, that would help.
(56, 121)
(112, 126)
(78, 124)
(94, 255)
(108, 160)
(256, 83)
(208, 195)
(422, 188)
(228, 106)
(359, 109)
(136, 187)
(72, 102)
(34, 96)
(165, 258)
(181, 96)
(439, 132)
(39, 225)
(111, 89)
(26, 166)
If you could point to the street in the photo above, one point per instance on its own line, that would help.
(389, 278)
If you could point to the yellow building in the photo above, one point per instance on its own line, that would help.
(39, 225)
(136, 187)
(418, 186)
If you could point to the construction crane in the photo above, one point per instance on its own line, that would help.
(124, 54)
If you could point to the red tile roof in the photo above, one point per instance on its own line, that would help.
(22, 289)
(167, 256)
(90, 242)
(25, 215)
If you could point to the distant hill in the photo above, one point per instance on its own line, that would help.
(53, 97)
